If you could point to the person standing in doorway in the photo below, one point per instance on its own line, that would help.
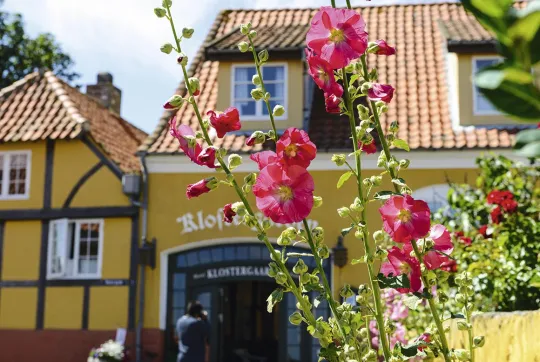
(192, 333)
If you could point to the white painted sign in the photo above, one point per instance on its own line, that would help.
(121, 335)
(200, 221)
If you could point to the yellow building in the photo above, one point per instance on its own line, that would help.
(442, 116)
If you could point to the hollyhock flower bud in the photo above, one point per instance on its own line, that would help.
(239, 208)
(343, 212)
(346, 291)
(317, 201)
(380, 92)
(166, 48)
(250, 179)
(253, 34)
(401, 263)
(160, 13)
(225, 122)
(462, 354)
(380, 47)
(300, 267)
(263, 56)
(208, 157)
(243, 46)
(405, 218)
(188, 143)
(339, 160)
(363, 114)
(256, 138)
(174, 102)
(228, 213)
(245, 28)
(338, 34)
(378, 236)
(257, 94)
(404, 164)
(201, 187)
(324, 252)
(235, 160)
(425, 339)
(357, 206)
(256, 80)
(284, 240)
(479, 341)
(295, 148)
(295, 318)
(323, 74)
(194, 85)
(278, 111)
(284, 193)
(182, 59)
(264, 158)
(332, 103)
(187, 32)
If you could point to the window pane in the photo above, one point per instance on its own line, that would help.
(244, 74)
(192, 258)
(217, 254)
(179, 281)
(204, 257)
(230, 253)
(83, 248)
(17, 174)
(255, 252)
(273, 103)
(181, 261)
(242, 253)
(179, 299)
(276, 90)
(243, 91)
(273, 73)
(94, 248)
(246, 108)
(481, 103)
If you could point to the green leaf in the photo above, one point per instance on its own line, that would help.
(510, 91)
(490, 13)
(357, 261)
(528, 143)
(347, 175)
(457, 316)
(525, 33)
(394, 282)
(399, 182)
(383, 195)
(399, 143)
(412, 302)
(345, 231)
(166, 3)
(410, 350)
(535, 281)
(273, 299)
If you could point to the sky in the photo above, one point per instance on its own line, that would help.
(123, 37)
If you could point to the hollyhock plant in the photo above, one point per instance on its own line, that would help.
(207, 157)
(295, 148)
(400, 263)
(381, 47)
(425, 338)
(227, 121)
(181, 133)
(201, 187)
(337, 35)
(380, 92)
(332, 102)
(323, 74)
(228, 213)
(284, 193)
(368, 148)
(442, 247)
(405, 218)
(264, 158)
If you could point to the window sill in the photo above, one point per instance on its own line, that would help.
(262, 118)
(77, 277)
(14, 197)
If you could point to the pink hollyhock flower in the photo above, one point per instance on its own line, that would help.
(332, 103)
(201, 187)
(443, 245)
(207, 157)
(180, 133)
(405, 218)
(225, 122)
(496, 215)
(338, 35)
(368, 148)
(264, 158)
(497, 197)
(400, 263)
(380, 92)
(509, 205)
(383, 48)
(250, 141)
(295, 148)
(425, 338)
(323, 74)
(449, 266)
(284, 193)
(228, 213)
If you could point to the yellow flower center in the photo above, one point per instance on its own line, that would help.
(404, 215)
(405, 268)
(323, 75)
(285, 193)
(337, 35)
(291, 149)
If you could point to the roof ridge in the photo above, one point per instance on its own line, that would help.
(18, 83)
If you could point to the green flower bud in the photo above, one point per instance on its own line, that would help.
(266, 96)
(194, 85)
(479, 341)
(344, 212)
(257, 94)
(295, 318)
(243, 46)
(256, 80)
(381, 160)
(166, 3)
(160, 13)
(290, 232)
(279, 110)
(392, 164)
(346, 291)
(365, 124)
(324, 252)
(351, 89)
(212, 183)
(187, 32)
(252, 34)
(389, 327)
(363, 111)
(357, 206)
(281, 278)
(339, 160)
(317, 201)
(166, 48)
(273, 269)
(367, 182)
(443, 298)
(239, 208)
(363, 333)
(462, 355)
(365, 87)
(378, 236)
(371, 356)
(364, 290)
(431, 278)
(283, 241)
(305, 278)
(250, 221)
(463, 326)
(300, 267)
(359, 234)
(428, 244)
(318, 233)
(191, 140)
(404, 164)
(263, 55)
(174, 102)
(394, 126)
(266, 224)
(384, 109)
(182, 59)
(245, 28)
(235, 160)
(390, 137)
(380, 253)
(199, 135)
(376, 180)
(251, 178)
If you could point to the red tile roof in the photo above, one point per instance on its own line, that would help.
(41, 106)
(418, 72)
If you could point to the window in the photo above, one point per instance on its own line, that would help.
(14, 174)
(481, 105)
(436, 196)
(75, 249)
(275, 82)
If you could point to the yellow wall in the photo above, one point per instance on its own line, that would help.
(63, 307)
(510, 337)
(108, 308)
(168, 202)
(72, 159)
(18, 308)
(116, 248)
(295, 92)
(37, 179)
(22, 244)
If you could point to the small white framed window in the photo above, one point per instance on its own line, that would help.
(481, 105)
(436, 196)
(15, 175)
(275, 82)
(75, 249)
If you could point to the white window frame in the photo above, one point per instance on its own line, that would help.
(75, 274)
(476, 92)
(260, 104)
(4, 192)
(427, 193)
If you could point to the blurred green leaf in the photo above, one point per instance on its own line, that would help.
(528, 143)
(490, 13)
(347, 175)
(399, 143)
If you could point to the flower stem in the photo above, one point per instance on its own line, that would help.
(348, 4)
(275, 255)
(259, 73)
(433, 308)
(369, 262)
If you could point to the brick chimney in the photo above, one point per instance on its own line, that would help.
(105, 92)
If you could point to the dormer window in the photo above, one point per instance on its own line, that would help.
(275, 81)
(14, 175)
(481, 105)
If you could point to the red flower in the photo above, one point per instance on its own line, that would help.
(458, 234)
(483, 231)
(509, 205)
(323, 74)
(201, 187)
(180, 134)
(228, 213)
(251, 141)
(225, 122)
(497, 197)
(400, 263)
(332, 103)
(380, 92)
(295, 148)
(449, 266)
(405, 218)
(496, 215)
(383, 48)
(264, 158)
(465, 241)
(338, 35)
(284, 193)
(368, 148)
(207, 157)
(443, 245)
(425, 338)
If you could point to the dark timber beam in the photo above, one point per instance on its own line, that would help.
(74, 212)
(103, 158)
(81, 182)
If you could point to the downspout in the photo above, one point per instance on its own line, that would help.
(142, 278)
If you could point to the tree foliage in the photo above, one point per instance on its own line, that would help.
(21, 54)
